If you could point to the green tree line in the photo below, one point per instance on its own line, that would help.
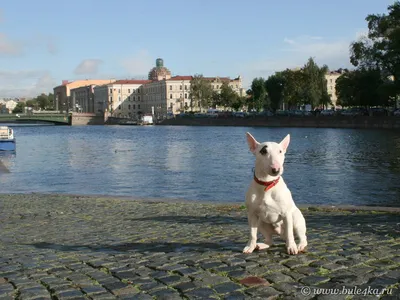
(43, 102)
(376, 58)
(375, 80)
(202, 95)
(291, 88)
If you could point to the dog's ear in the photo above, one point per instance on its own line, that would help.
(285, 142)
(252, 142)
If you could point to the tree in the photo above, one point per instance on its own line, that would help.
(32, 103)
(259, 93)
(19, 108)
(293, 88)
(50, 97)
(43, 101)
(274, 86)
(228, 95)
(238, 102)
(380, 49)
(314, 82)
(201, 92)
(362, 87)
(216, 99)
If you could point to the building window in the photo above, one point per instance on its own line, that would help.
(129, 90)
(138, 98)
(134, 106)
(110, 91)
(119, 91)
(185, 87)
(110, 99)
(180, 87)
(170, 87)
(133, 90)
(129, 98)
(185, 96)
(170, 96)
(129, 107)
(217, 86)
(119, 98)
(138, 106)
(119, 107)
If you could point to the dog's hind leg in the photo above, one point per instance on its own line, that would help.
(267, 231)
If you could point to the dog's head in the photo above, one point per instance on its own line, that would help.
(270, 156)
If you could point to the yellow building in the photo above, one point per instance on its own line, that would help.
(62, 93)
(331, 78)
(121, 98)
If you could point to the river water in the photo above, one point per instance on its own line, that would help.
(323, 166)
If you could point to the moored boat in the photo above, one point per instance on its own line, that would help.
(7, 139)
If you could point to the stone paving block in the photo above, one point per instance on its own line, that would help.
(166, 294)
(263, 292)
(185, 249)
(201, 293)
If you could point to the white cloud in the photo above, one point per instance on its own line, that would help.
(295, 53)
(10, 47)
(139, 64)
(88, 66)
(26, 83)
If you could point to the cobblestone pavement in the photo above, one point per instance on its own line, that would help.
(67, 247)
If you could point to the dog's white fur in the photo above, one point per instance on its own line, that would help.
(272, 211)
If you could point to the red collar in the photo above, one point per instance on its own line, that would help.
(268, 184)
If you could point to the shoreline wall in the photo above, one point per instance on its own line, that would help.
(366, 122)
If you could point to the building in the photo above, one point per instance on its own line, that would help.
(331, 78)
(121, 98)
(83, 99)
(159, 72)
(62, 93)
(161, 94)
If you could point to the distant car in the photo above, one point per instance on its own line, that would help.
(396, 113)
(239, 114)
(266, 113)
(327, 112)
(378, 111)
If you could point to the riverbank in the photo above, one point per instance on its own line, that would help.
(103, 248)
(365, 122)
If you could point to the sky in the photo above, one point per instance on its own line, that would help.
(43, 42)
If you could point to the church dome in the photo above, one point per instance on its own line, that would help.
(159, 72)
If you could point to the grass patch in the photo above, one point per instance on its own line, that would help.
(323, 271)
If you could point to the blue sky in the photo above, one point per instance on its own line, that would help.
(43, 42)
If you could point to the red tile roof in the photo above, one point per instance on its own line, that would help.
(132, 81)
(220, 78)
(181, 78)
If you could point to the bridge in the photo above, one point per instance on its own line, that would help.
(54, 118)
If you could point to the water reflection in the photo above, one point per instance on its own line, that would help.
(329, 166)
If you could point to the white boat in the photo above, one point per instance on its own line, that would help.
(7, 140)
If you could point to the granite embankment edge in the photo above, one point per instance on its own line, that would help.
(238, 205)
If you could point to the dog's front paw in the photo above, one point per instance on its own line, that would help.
(250, 248)
(302, 246)
(292, 248)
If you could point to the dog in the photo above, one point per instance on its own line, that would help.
(269, 202)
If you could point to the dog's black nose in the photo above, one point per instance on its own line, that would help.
(275, 171)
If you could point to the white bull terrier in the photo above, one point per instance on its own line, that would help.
(269, 203)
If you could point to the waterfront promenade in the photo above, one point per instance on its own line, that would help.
(76, 247)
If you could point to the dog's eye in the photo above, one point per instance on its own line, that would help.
(263, 150)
